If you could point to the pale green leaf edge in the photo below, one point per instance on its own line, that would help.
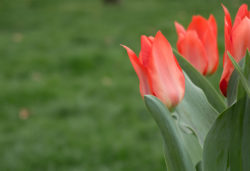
(242, 77)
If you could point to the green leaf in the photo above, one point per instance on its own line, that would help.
(199, 166)
(244, 81)
(235, 89)
(195, 112)
(177, 157)
(247, 67)
(191, 143)
(245, 150)
(214, 98)
(227, 143)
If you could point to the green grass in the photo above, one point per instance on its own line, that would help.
(69, 98)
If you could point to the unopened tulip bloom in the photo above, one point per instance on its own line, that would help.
(158, 70)
(198, 44)
(237, 41)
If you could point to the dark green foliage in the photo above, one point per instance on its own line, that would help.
(227, 144)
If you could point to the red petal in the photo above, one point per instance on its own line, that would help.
(226, 74)
(168, 82)
(228, 30)
(200, 25)
(146, 48)
(179, 29)
(227, 65)
(193, 50)
(213, 25)
(140, 71)
(242, 13)
(210, 43)
(241, 39)
(151, 38)
(227, 35)
(227, 16)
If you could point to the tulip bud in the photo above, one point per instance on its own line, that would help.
(158, 70)
(237, 41)
(198, 44)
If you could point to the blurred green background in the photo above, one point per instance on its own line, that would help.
(69, 97)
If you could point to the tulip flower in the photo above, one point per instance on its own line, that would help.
(237, 41)
(198, 44)
(158, 70)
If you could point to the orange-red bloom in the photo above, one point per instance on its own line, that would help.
(237, 41)
(198, 44)
(158, 70)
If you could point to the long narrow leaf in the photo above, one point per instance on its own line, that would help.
(177, 157)
(232, 88)
(242, 77)
(227, 143)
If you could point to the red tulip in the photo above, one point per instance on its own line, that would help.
(198, 44)
(158, 70)
(237, 41)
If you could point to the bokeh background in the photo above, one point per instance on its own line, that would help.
(69, 97)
